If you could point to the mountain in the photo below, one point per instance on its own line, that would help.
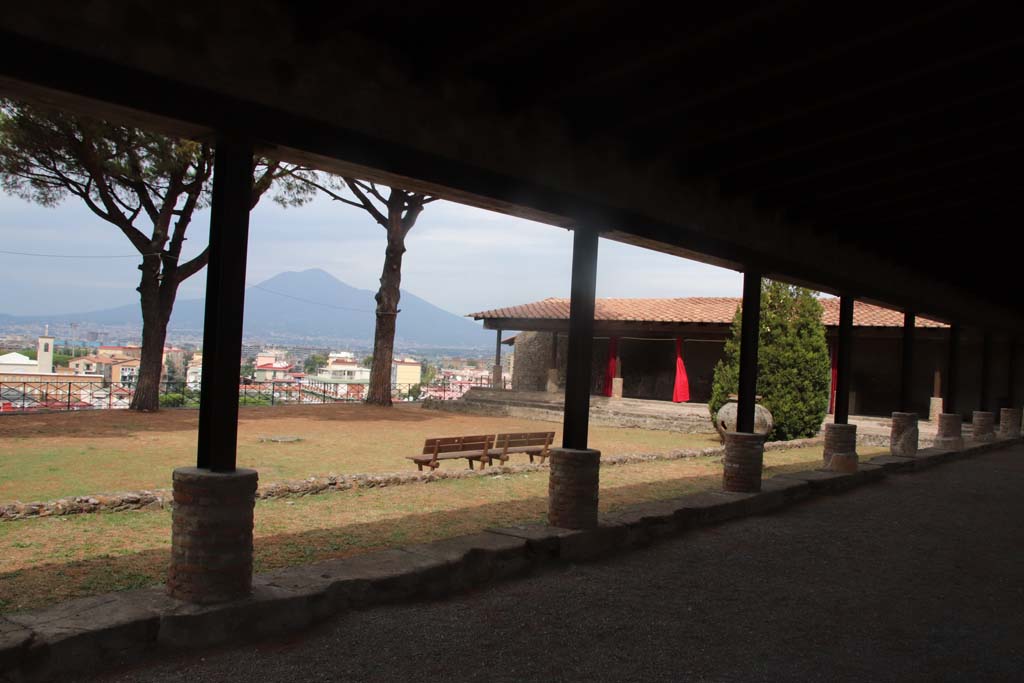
(313, 305)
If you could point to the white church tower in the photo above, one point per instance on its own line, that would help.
(44, 352)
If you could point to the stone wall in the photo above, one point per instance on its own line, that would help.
(648, 366)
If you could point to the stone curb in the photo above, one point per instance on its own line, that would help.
(119, 628)
(159, 498)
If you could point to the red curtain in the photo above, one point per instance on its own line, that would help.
(613, 354)
(681, 391)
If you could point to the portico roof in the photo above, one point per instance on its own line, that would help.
(678, 310)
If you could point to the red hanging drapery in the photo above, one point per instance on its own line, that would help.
(681, 390)
(613, 354)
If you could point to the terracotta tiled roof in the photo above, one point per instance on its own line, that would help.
(697, 310)
(869, 315)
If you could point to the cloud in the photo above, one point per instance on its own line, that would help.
(460, 258)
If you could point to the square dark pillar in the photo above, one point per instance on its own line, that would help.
(574, 479)
(984, 390)
(844, 357)
(750, 326)
(744, 449)
(907, 362)
(225, 303)
(840, 452)
(576, 418)
(952, 370)
(212, 522)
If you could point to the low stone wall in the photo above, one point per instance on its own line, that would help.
(106, 502)
(601, 414)
(152, 500)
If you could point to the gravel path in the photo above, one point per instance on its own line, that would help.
(919, 578)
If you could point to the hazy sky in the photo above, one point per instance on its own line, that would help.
(459, 258)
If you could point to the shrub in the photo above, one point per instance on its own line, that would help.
(172, 400)
(253, 401)
(793, 362)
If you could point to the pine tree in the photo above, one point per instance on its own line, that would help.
(793, 362)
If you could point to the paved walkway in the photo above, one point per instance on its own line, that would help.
(918, 578)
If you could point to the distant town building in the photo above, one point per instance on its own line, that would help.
(342, 368)
(120, 351)
(111, 368)
(194, 371)
(272, 365)
(406, 371)
(19, 363)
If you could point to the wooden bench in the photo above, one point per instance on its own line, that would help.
(534, 444)
(472, 448)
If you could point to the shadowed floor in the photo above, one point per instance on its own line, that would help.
(916, 578)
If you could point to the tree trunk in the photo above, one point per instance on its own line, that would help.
(387, 313)
(156, 312)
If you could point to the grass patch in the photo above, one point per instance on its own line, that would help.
(47, 560)
(44, 457)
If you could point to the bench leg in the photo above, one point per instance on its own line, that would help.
(419, 466)
(470, 461)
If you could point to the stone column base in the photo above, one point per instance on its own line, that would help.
(840, 454)
(903, 437)
(497, 381)
(552, 383)
(934, 408)
(211, 535)
(743, 462)
(573, 488)
(984, 425)
(616, 387)
(950, 434)
(1009, 423)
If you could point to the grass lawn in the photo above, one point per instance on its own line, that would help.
(43, 457)
(47, 560)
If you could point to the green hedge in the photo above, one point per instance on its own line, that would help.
(793, 363)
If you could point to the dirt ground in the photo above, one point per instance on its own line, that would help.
(50, 559)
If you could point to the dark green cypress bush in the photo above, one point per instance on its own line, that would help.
(793, 362)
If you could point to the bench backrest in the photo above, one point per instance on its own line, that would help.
(456, 444)
(524, 439)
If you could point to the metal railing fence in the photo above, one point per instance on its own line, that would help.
(34, 396)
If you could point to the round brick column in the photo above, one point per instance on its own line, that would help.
(572, 488)
(903, 437)
(984, 424)
(841, 447)
(1009, 423)
(743, 462)
(950, 436)
(211, 535)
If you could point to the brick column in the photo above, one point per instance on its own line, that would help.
(744, 459)
(211, 535)
(903, 437)
(497, 381)
(616, 387)
(984, 424)
(573, 488)
(841, 447)
(950, 432)
(1009, 423)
